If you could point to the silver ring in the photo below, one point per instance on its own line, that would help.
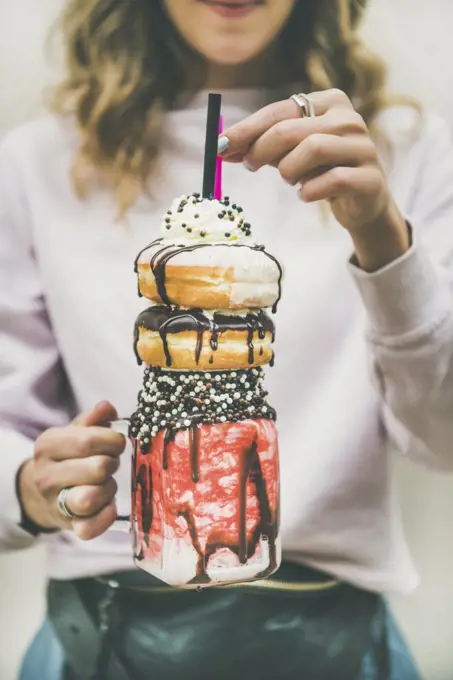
(306, 105)
(61, 502)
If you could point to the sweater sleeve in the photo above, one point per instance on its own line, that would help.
(409, 306)
(32, 383)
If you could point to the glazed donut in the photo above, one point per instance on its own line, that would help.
(209, 275)
(192, 340)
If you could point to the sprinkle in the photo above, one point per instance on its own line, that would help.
(187, 423)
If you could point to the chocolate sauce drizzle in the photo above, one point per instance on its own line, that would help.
(144, 480)
(250, 470)
(165, 321)
(162, 257)
(194, 435)
(266, 529)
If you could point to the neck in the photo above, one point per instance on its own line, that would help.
(258, 72)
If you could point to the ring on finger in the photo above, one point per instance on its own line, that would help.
(305, 104)
(62, 506)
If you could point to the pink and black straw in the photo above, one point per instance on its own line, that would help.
(211, 188)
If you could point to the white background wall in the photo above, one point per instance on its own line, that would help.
(415, 37)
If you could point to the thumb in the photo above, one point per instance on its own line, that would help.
(102, 415)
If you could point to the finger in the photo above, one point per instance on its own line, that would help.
(242, 135)
(326, 151)
(53, 476)
(363, 181)
(286, 135)
(60, 443)
(87, 529)
(87, 501)
(102, 414)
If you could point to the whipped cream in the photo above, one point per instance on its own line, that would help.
(194, 219)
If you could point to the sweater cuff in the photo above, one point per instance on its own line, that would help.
(15, 450)
(403, 297)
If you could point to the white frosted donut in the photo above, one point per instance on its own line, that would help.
(209, 276)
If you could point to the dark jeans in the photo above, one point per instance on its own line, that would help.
(333, 633)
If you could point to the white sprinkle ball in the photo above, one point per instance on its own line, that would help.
(187, 423)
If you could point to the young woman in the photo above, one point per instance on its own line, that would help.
(364, 343)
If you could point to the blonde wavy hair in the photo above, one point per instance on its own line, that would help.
(127, 66)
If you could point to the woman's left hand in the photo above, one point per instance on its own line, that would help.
(332, 157)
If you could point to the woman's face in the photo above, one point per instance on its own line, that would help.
(229, 32)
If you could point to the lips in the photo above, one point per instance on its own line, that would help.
(233, 4)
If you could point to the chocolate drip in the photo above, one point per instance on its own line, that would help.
(214, 341)
(144, 480)
(137, 259)
(194, 436)
(272, 361)
(162, 257)
(199, 346)
(261, 351)
(244, 476)
(250, 332)
(266, 529)
(201, 576)
(168, 437)
(136, 337)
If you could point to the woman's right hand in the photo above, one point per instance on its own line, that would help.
(84, 456)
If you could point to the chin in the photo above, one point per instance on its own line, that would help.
(230, 53)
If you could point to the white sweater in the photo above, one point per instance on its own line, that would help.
(361, 359)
